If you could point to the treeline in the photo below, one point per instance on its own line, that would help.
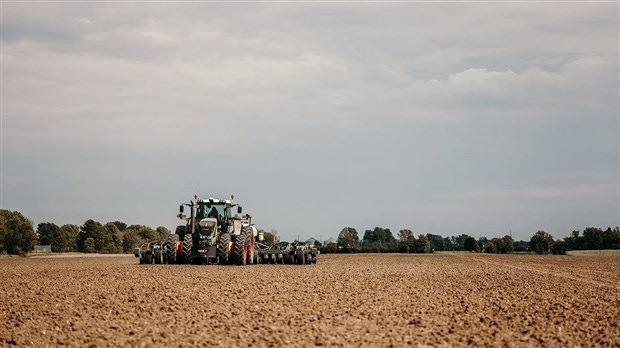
(592, 238)
(18, 236)
(381, 240)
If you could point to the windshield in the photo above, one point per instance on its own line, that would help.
(208, 210)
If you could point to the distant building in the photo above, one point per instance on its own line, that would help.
(330, 241)
(310, 241)
(42, 249)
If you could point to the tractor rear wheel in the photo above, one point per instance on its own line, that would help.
(180, 231)
(187, 248)
(171, 248)
(223, 248)
(159, 257)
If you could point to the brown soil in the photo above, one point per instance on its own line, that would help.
(345, 300)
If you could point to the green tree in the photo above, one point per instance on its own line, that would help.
(593, 238)
(403, 247)
(459, 242)
(120, 225)
(131, 240)
(146, 233)
(163, 232)
(379, 234)
(49, 233)
(330, 248)
(96, 231)
(437, 242)
(541, 242)
(507, 245)
(497, 245)
(469, 243)
(89, 245)
(490, 247)
(348, 239)
(611, 238)
(69, 234)
(114, 239)
(559, 247)
(17, 234)
(423, 245)
(521, 246)
(404, 235)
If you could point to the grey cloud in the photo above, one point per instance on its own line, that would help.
(362, 114)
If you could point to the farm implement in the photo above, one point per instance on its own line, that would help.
(287, 253)
(213, 235)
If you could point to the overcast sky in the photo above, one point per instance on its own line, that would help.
(444, 118)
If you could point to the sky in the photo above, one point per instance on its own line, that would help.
(447, 118)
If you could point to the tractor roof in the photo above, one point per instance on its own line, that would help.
(214, 201)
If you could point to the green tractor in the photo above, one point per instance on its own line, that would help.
(213, 235)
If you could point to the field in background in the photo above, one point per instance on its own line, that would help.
(366, 299)
(593, 252)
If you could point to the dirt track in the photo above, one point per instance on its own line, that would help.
(345, 300)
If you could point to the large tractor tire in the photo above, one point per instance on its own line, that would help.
(223, 249)
(241, 249)
(180, 231)
(250, 253)
(159, 256)
(171, 248)
(187, 248)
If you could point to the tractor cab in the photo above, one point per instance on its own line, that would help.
(219, 211)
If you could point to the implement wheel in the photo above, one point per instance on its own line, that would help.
(159, 257)
(301, 259)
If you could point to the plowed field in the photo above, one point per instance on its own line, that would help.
(345, 300)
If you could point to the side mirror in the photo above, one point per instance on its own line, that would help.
(239, 210)
(181, 208)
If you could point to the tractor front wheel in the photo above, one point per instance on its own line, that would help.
(241, 249)
(187, 248)
(223, 248)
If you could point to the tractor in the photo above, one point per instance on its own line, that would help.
(212, 234)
